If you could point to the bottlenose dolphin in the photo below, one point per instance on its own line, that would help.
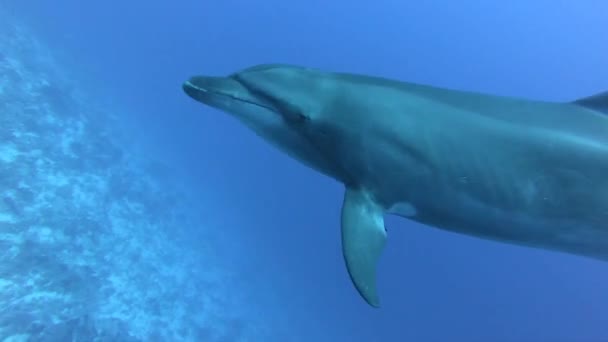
(532, 173)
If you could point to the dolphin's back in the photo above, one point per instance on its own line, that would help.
(574, 125)
(590, 115)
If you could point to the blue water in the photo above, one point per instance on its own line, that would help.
(130, 212)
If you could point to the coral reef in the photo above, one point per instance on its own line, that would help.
(89, 230)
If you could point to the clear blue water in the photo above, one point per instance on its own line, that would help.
(131, 213)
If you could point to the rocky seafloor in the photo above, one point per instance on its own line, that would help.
(90, 244)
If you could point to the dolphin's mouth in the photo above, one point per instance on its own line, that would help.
(215, 91)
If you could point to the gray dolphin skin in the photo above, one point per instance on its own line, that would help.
(531, 173)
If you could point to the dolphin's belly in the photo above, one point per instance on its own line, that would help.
(578, 234)
(538, 188)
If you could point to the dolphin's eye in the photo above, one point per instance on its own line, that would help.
(303, 118)
(290, 112)
(295, 117)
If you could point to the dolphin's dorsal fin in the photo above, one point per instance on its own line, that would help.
(363, 239)
(597, 102)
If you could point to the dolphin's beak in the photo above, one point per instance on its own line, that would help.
(222, 92)
(203, 88)
(191, 89)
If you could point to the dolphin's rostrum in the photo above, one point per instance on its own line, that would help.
(526, 172)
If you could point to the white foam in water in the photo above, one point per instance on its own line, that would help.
(8, 153)
(7, 218)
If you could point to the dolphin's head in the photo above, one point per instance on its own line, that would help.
(278, 102)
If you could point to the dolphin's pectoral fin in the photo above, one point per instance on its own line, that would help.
(363, 239)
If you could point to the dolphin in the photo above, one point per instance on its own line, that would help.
(525, 172)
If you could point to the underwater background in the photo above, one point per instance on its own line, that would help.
(129, 212)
